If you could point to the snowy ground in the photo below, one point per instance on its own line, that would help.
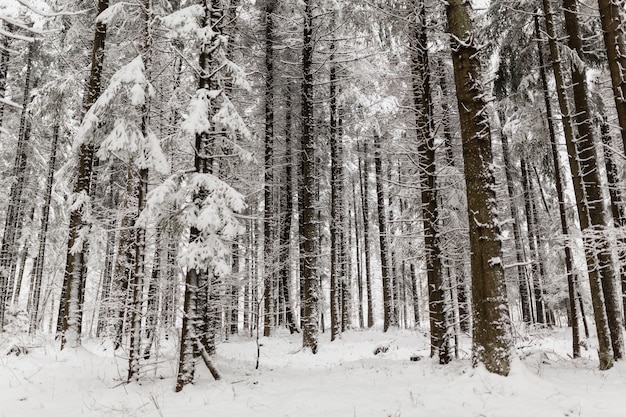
(344, 379)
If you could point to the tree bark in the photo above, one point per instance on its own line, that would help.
(572, 284)
(517, 235)
(612, 20)
(364, 183)
(604, 338)
(307, 195)
(389, 318)
(70, 308)
(420, 69)
(491, 333)
(595, 234)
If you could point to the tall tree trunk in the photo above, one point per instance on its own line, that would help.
(491, 333)
(617, 203)
(602, 328)
(532, 243)
(389, 319)
(336, 205)
(307, 197)
(287, 212)
(420, 69)
(595, 235)
(572, 284)
(364, 182)
(268, 213)
(37, 274)
(612, 18)
(359, 255)
(70, 308)
(517, 235)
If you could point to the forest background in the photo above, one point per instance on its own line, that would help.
(192, 171)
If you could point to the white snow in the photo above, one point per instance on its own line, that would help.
(344, 379)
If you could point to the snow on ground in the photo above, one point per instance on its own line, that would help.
(344, 379)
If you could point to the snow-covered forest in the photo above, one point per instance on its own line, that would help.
(312, 207)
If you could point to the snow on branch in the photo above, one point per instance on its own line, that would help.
(132, 77)
(48, 14)
(10, 103)
(16, 36)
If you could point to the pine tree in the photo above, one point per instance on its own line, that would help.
(491, 344)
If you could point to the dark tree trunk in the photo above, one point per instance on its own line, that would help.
(268, 213)
(594, 204)
(307, 194)
(532, 243)
(491, 333)
(37, 274)
(70, 309)
(572, 283)
(517, 235)
(364, 182)
(287, 213)
(617, 203)
(389, 318)
(420, 69)
(602, 327)
(336, 206)
(612, 19)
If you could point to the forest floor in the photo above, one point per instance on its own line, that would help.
(345, 378)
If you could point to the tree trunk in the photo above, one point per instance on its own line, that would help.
(594, 202)
(285, 236)
(70, 308)
(37, 274)
(517, 235)
(572, 283)
(359, 256)
(268, 213)
(336, 205)
(420, 69)
(364, 182)
(602, 328)
(612, 19)
(307, 195)
(491, 333)
(533, 243)
(389, 319)
(617, 208)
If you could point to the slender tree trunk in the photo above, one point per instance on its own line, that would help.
(517, 235)
(532, 243)
(595, 204)
(612, 18)
(307, 197)
(389, 319)
(364, 182)
(491, 333)
(602, 327)
(572, 283)
(359, 255)
(37, 274)
(336, 205)
(617, 208)
(439, 340)
(285, 237)
(268, 213)
(70, 308)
